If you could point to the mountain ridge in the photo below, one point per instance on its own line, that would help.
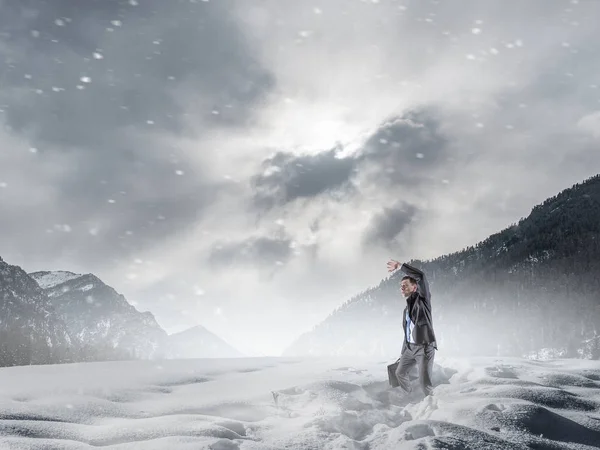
(61, 317)
(30, 330)
(519, 274)
(185, 344)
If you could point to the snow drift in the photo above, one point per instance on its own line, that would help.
(286, 403)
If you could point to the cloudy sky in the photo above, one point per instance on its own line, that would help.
(249, 166)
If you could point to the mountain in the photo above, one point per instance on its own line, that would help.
(198, 342)
(100, 318)
(534, 285)
(59, 317)
(30, 330)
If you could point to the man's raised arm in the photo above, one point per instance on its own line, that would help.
(414, 273)
(420, 277)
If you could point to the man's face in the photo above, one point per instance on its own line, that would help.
(407, 287)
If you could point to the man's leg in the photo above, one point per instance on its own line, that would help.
(407, 362)
(425, 359)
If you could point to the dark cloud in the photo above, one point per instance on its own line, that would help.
(101, 225)
(402, 151)
(406, 148)
(387, 225)
(265, 251)
(287, 177)
(104, 87)
(154, 49)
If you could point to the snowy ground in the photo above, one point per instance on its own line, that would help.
(486, 403)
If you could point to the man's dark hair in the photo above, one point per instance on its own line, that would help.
(411, 279)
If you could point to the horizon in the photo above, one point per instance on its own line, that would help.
(252, 167)
(256, 354)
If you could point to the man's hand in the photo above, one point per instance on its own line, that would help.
(393, 265)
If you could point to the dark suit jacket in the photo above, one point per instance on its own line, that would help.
(418, 305)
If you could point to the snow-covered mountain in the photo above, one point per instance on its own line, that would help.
(60, 316)
(530, 287)
(30, 330)
(198, 342)
(99, 317)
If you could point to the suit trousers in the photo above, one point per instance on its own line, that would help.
(421, 354)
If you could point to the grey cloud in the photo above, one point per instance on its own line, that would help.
(404, 155)
(387, 225)
(406, 148)
(403, 151)
(155, 49)
(116, 131)
(265, 251)
(287, 177)
(99, 234)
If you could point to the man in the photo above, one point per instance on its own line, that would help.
(419, 338)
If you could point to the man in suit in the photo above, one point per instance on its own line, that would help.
(419, 338)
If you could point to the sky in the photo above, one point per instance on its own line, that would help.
(250, 166)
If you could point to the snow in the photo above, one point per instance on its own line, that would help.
(50, 279)
(293, 403)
